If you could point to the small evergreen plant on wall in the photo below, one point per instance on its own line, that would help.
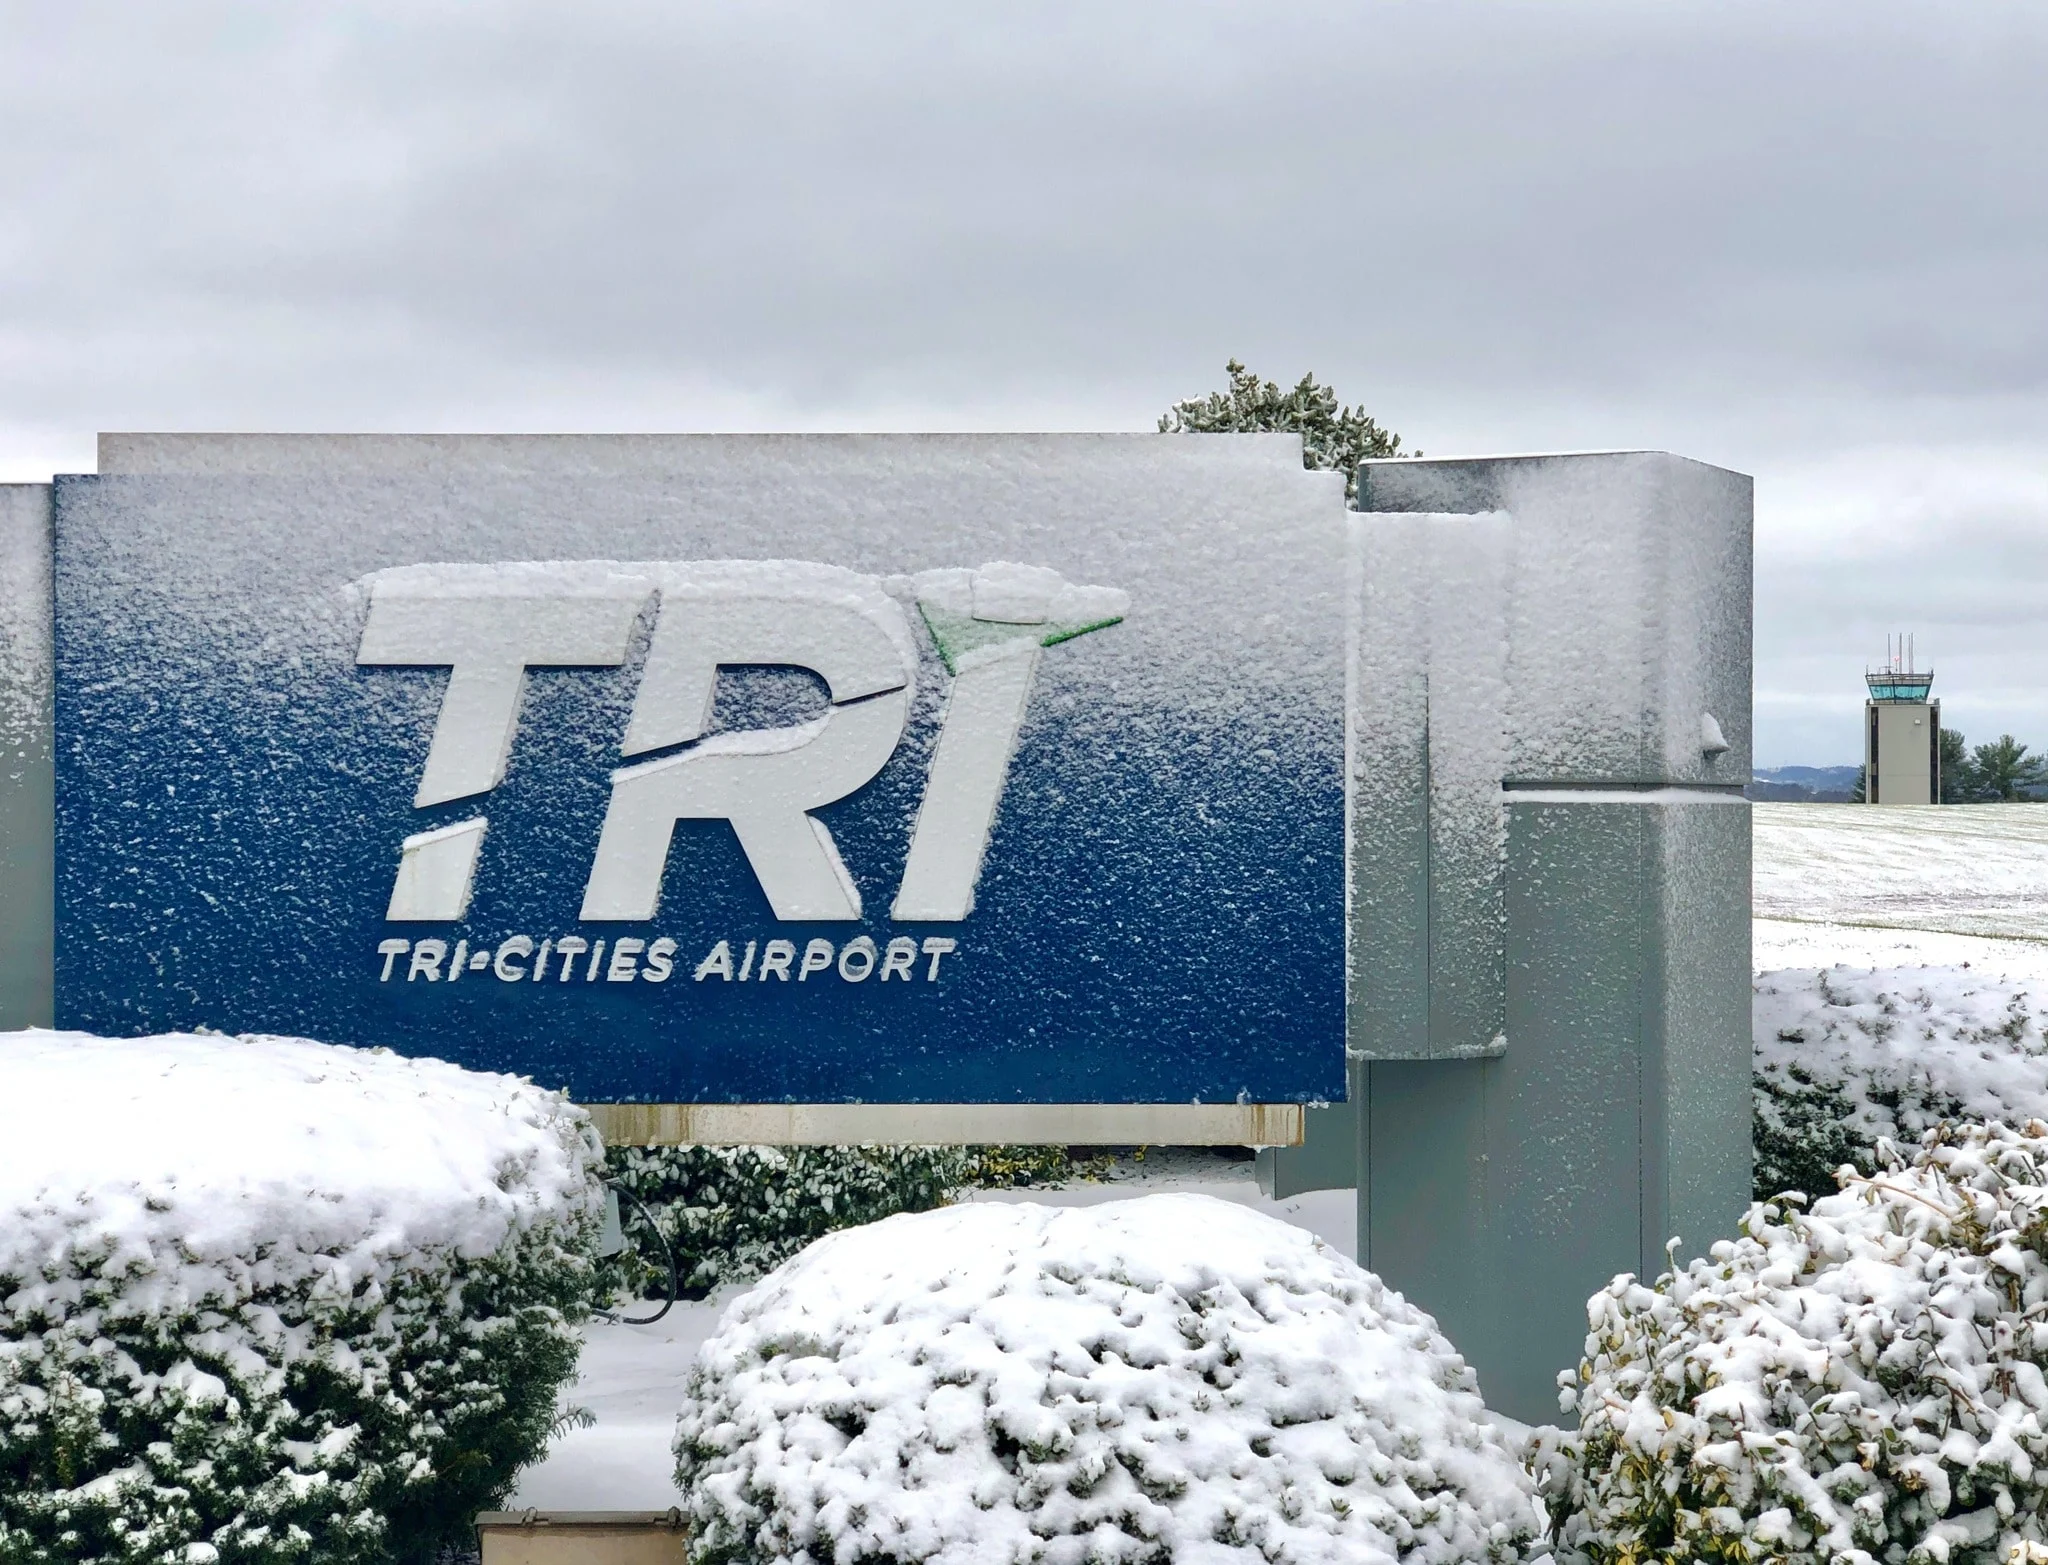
(1333, 437)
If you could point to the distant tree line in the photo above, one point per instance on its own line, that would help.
(2001, 772)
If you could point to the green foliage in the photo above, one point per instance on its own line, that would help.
(1855, 1383)
(1804, 1128)
(1184, 1381)
(1955, 768)
(2005, 770)
(1845, 1062)
(352, 1422)
(1332, 436)
(734, 1213)
(1008, 1167)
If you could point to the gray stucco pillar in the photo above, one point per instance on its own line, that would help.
(26, 775)
(1549, 1012)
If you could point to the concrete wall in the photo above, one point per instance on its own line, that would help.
(1903, 740)
(1499, 1193)
(26, 775)
(1601, 888)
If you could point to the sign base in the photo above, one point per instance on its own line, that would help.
(946, 1124)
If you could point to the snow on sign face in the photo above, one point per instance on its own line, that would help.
(489, 624)
(701, 769)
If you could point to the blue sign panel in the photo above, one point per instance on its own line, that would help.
(712, 769)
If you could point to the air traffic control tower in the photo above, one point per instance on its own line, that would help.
(1901, 732)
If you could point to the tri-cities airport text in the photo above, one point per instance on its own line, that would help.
(568, 959)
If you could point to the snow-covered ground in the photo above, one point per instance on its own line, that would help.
(1948, 885)
(631, 1381)
(1960, 887)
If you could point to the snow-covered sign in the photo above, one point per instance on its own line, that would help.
(710, 769)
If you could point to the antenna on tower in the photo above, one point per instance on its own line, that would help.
(1902, 728)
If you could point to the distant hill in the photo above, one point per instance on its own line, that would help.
(1843, 777)
(1804, 784)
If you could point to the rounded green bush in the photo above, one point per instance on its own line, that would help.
(1863, 1382)
(289, 1302)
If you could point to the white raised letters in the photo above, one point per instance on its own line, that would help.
(989, 626)
(764, 781)
(488, 624)
(435, 872)
(726, 613)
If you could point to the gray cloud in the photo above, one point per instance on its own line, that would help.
(1803, 241)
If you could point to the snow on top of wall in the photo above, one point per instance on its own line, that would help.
(205, 1165)
(1173, 1376)
(1629, 610)
(130, 453)
(1231, 549)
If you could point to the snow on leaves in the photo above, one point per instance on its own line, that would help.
(1846, 1058)
(269, 1300)
(1167, 1378)
(1863, 1382)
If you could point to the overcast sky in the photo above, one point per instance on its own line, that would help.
(1809, 241)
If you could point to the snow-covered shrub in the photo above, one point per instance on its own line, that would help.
(1847, 1058)
(1861, 1382)
(1171, 1378)
(733, 1213)
(268, 1300)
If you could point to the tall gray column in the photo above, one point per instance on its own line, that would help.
(26, 776)
(1549, 1009)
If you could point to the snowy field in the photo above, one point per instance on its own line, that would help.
(1950, 887)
